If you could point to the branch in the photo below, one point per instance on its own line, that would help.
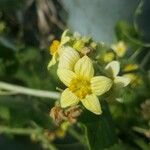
(28, 91)
(19, 131)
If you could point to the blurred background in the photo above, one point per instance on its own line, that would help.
(27, 27)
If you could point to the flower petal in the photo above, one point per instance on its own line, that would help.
(84, 67)
(100, 84)
(65, 76)
(121, 82)
(64, 37)
(92, 103)
(68, 58)
(68, 99)
(120, 48)
(112, 69)
(52, 61)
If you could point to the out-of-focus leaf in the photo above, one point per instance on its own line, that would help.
(99, 129)
(128, 33)
(10, 4)
(8, 62)
(121, 147)
(7, 43)
(27, 111)
(4, 113)
(142, 144)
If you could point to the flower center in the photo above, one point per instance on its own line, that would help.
(54, 47)
(80, 87)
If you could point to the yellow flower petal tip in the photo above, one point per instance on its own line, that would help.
(91, 103)
(52, 61)
(121, 81)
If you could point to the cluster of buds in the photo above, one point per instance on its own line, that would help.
(63, 118)
(118, 51)
(60, 115)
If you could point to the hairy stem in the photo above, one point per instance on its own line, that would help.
(28, 91)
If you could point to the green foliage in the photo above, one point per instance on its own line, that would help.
(100, 130)
(128, 33)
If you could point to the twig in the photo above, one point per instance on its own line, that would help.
(19, 131)
(28, 91)
(145, 132)
(135, 54)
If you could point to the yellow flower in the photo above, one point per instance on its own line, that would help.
(130, 67)
(135, 79)
(112, 69)
(119, 48)
(108, 57)
(83, 86)
(57, 47)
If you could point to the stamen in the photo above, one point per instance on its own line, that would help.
(80, 87)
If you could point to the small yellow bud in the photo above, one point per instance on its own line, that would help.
(119, 48)
(54, 47)
(93, 45)
(60, 133)
(108, 57)
(130, 67)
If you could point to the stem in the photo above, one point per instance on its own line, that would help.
(136, 41)
(28, 91)
(19, 131)
(2, 93)
(145, 132)
(135, 54)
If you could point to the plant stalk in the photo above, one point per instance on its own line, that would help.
(28, 91)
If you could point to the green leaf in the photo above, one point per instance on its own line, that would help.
(99, 128)
(121, 146)
(127, 32)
